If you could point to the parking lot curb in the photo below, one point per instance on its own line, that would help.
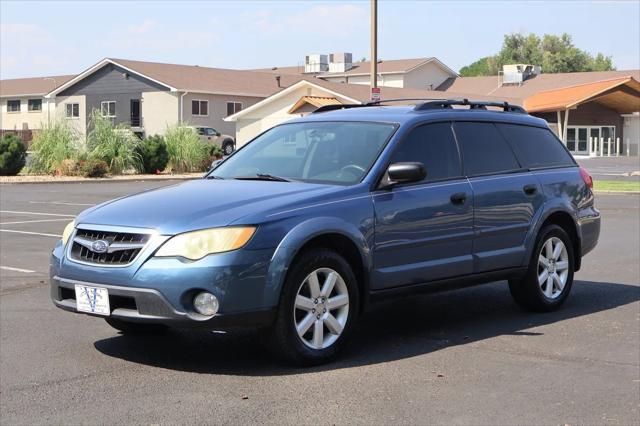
(618, 192)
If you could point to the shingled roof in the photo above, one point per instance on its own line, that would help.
(35, 86)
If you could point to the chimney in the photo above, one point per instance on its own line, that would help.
(278, 80)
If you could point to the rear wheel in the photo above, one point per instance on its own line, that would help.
(550, 275)
(317, 309)
(136, 327)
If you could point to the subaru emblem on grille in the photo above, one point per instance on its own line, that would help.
(100, 246)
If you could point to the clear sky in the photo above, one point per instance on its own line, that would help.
(55, 37)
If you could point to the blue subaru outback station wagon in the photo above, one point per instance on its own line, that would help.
(299, 230)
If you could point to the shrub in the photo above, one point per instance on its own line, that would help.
(93, 168)
(56, 142)
(12, 155)
(68, 167)
(186, 152)
(115, 144)
(153, 153)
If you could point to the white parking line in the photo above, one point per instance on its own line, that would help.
(9, 268)
(31, 233)
(34, 221)
(60, 203)
(36, 213)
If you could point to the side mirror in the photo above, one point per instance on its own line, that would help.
(215, 164)
(405, 173)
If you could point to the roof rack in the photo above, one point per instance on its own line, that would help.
(335, 107)
(449, 103)
(430, 104)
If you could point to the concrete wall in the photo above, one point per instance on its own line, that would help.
(78, 124)
(274, 113)
(159, 110)
(217, 110)
(24, 119)
(631, 134)
(426, 77)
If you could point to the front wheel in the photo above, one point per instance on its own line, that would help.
(550, 275)
(317, 309)
(227, 147)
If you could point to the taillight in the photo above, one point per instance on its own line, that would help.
(586, 177)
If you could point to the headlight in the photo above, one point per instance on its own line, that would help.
(68, 230)
(198, 244)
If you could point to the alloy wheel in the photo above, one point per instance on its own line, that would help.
(553, 267)
(321, 308)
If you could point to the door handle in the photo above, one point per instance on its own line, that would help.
(530, 189)
(458, 198)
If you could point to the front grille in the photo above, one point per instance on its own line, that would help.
(119, 248)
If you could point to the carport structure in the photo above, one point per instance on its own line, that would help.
(596, 114)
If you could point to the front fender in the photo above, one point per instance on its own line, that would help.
(300, 235)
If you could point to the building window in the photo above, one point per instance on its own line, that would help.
(35, 104)
(233, 107)
(13, 106)
(108, 108)
(72, 110)
(200, 108)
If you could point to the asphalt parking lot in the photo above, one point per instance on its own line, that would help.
(462, 357)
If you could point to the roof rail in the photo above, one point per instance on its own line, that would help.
(335, 107)
(449, 103)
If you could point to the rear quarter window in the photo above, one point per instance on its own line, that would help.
(536, 147)
(484, 149)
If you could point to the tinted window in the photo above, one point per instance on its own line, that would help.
(432, 145)
(535, 146)
(484, 150)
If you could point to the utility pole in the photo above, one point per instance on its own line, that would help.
(374, 48)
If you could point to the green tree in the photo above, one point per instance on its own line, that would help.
(553, 53)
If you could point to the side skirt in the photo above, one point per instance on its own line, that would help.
(447, 284)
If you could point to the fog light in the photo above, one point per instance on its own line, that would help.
(205, 303)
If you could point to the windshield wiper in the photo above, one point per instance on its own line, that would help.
(214, 177)
(263, 176)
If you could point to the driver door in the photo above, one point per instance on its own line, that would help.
(424, 230)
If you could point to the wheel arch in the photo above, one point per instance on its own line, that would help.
(337, 235)
(567, 222)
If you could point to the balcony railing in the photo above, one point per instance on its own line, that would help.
(136, 121)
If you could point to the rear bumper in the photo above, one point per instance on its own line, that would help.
(589, 229)
(148, 305)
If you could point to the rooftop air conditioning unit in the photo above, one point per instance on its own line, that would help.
(315, 63)
(518, 73)
(340, 62)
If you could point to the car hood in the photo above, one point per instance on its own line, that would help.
(200, 204)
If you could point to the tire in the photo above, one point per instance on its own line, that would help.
(283, 338)
(535, 292)
(227, 147)
(136, 328)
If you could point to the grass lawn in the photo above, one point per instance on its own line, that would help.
(616, 185)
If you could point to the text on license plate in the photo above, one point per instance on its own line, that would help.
(94, 300)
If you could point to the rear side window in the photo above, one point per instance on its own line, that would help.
(484, 150)
(535, 146)
(433, 146)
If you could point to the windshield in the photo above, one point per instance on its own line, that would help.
(324, 152)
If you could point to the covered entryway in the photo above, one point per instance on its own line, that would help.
(589, 117)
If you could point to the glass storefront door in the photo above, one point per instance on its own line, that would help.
(583, 140)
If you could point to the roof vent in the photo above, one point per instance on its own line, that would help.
(340, 62)
(315, 63)
(516, 74)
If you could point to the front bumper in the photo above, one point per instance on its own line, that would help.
(149, 305)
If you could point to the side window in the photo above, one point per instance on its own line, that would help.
(432, 145)
(535, 146)
(484, 150)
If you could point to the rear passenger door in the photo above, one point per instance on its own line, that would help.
(424, 230)
(506, 197)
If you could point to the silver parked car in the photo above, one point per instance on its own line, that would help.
(211, 136)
